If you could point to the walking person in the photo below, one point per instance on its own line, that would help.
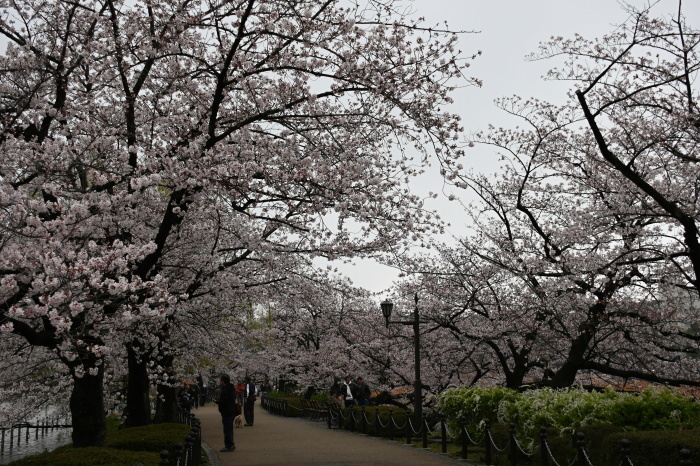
(227, 408)
(194, 395)
(362, 392)
(203, 394)
(249, 405)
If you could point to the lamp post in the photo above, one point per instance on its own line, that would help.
(387, 306)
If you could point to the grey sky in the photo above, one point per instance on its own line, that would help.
(509, 30)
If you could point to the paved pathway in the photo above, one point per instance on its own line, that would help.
(276, 440)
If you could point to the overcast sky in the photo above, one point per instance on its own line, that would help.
(509, 30)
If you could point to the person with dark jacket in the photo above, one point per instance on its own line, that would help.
(347, 390)
(249, 402)
(227, 408)
(362, 392)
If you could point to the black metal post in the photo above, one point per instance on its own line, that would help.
(408, 429)
(196, 443)
(581, 446)
(487, 442)
(364, 421)
(391, 424)
(179, 447)
(544, 455)
(417, 384)
(625, 452)
(164, 458)
(424, 429)
(513, 447)
(685, 457)
(443, 434)
(188, 450)
(465, 439)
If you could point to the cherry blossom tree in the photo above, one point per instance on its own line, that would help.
(582, 255)
(636, 90)
(151, 148)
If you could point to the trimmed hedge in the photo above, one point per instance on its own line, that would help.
(154, 437)
(651, 448)
(323, 397)
(122, 447)
(294, 402)
(372, 427)
(90, 456)
(648, 448)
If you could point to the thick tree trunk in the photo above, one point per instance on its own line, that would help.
(138, 406)
(88, 410)
(166, 404)
(514, 379)
(566, 375)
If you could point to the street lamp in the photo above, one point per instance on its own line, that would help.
(387, 306)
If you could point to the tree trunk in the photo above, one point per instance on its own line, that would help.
(166, 404)
(138, 406)
(88, 410)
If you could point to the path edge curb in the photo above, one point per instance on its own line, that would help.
(213, 459)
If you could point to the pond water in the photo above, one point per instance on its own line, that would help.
(17, 444)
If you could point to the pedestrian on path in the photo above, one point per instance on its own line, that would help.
(346, 390)
(227, 409)
(249, 405)
(362, 392)
(240, 392)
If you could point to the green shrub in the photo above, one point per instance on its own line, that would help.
(475, 404)
(569, 410)
(113, 423)
(91, 456)
(154, 437)
(275, 394)
(323, 397)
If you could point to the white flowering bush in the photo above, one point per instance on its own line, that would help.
(566, 410)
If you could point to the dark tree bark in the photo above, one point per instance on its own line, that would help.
(88, 410)
(166, 404)
(138, 406)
